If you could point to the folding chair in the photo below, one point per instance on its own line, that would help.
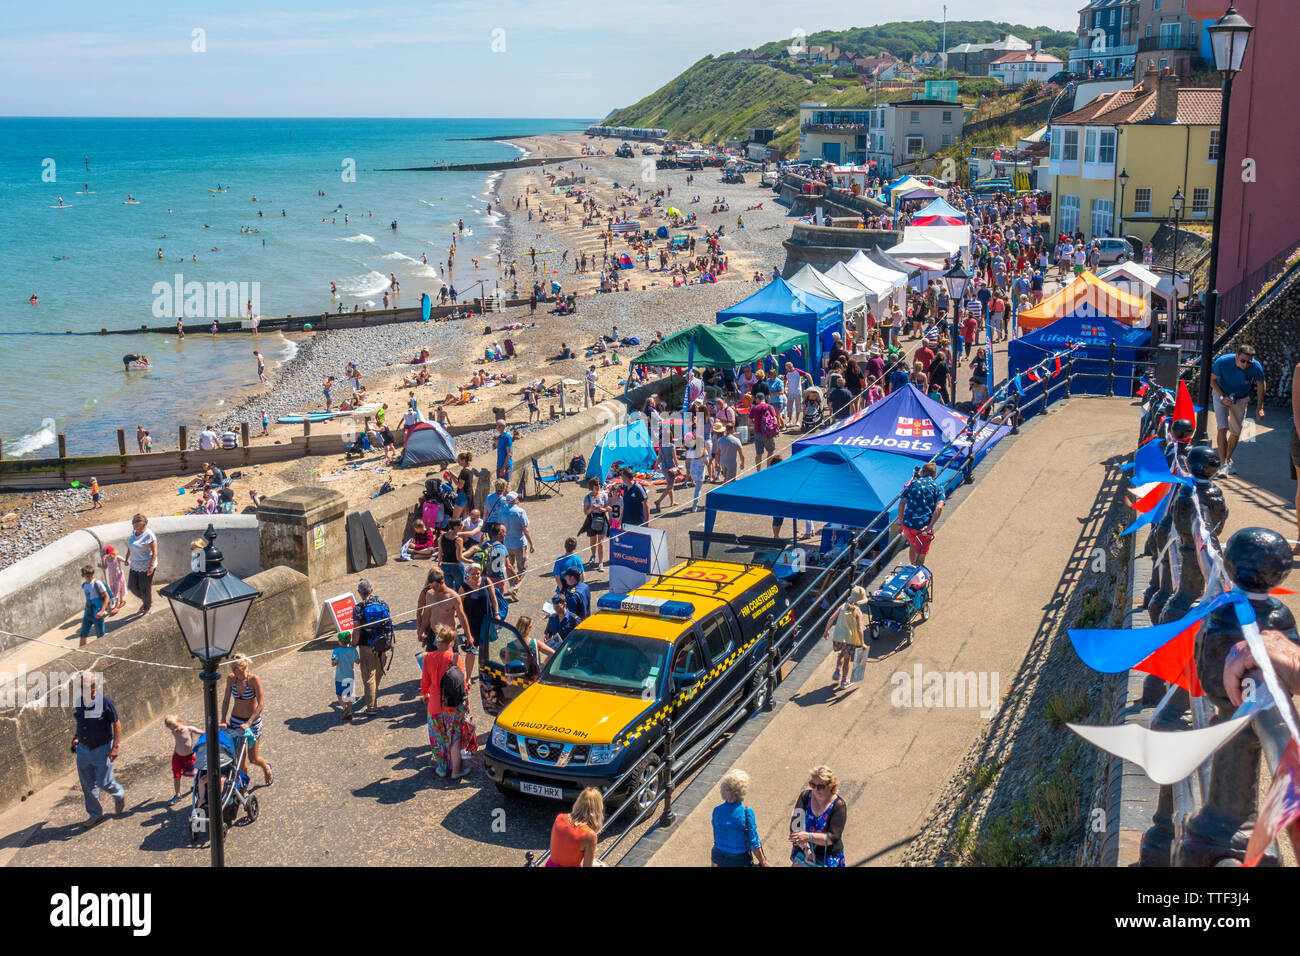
(547, 478)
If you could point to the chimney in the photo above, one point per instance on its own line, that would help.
(1038, 47)
(1148, 83)
(1167, 98)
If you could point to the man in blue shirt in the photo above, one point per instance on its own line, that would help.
(918, 511)
(505, 451)
(571, 559)
(99, 736)
(1232, 378)
(517, 533)
(634, 500)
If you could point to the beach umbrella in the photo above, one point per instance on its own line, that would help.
(674, 211)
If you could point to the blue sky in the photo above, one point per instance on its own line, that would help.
(572, 58)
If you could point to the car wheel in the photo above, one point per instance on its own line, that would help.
(764, 682)
(648, 796)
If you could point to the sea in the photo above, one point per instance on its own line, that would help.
(279, 207)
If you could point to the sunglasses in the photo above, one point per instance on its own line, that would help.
(817, 785)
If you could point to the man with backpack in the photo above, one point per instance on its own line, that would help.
(372, 635)
(766, 424)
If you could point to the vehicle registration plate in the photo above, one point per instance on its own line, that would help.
(541, 790)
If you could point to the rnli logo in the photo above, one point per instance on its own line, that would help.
(915, 427)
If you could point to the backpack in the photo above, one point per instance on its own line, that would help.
(452, 686)
(578, 465)
(767, 425)
(377, 625)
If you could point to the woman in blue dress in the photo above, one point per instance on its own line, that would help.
(817, 823)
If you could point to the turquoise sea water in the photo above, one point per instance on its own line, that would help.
(94, 263)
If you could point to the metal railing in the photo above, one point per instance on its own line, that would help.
(863, 557)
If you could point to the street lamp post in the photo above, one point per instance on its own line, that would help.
(1119, 220)
(957, 279)
(210, 605)
(1228, 36)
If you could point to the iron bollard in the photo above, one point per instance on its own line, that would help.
(1110, 373)
(1069, 375)
(668, 818)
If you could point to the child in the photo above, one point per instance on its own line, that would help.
(114, 569)
(344, 658)
(266, 422)
(182, 752)
(94, 494)
(148, 443)
(97, 601)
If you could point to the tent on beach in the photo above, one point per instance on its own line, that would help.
(627, 445)
(732, 343)
(783, 304)
(427, 443)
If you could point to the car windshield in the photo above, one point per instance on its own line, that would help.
(619, 663)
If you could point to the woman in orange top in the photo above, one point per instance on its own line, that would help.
(450, 728)
(574, 834)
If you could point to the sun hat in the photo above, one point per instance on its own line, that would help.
(859, 595)
(719, 428)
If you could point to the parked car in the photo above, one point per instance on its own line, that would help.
(1115, 250)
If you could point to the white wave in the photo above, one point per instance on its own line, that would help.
(290, 349)
(427, 203)
(394, 255)
(372, 283)
(30, 443)
(359, 237)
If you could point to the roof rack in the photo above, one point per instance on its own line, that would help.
(669, 576)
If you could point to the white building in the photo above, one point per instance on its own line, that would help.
(1021, 66)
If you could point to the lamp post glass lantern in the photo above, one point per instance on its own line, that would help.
(1229, 37)
(210, 605)
(1123, 185)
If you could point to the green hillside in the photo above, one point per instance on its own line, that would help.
(720, 97)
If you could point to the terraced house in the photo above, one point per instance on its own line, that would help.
(1162, 136)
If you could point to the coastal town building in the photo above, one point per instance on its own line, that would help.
(835, 135)
(1261, 206)
(1018, 68)
(1163, 136)
(1169, 36)
(884, 66)
(974, 59)
(912, 129)
(1108, 32)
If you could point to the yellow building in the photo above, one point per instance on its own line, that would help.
(1163, 137)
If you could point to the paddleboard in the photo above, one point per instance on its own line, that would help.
(310, 417)
(64, 206)
(130, 202)
(218, 190)
(87, 193)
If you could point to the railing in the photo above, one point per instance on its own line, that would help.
(659, 770)
(1180, 42)
(1236, 305)
(833, 128)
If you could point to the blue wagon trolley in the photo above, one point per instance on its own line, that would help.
(232, 793)
(903, 601)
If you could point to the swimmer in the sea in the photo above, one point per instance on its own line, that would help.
(32, 300)
(160, 252)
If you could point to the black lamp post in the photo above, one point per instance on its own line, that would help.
(956, 278)
(1228, 36)
(1123, 183)
(210, 605)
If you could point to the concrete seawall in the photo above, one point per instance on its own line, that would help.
(43, 590)
(35, 738)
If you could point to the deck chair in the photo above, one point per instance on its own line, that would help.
(546, 478)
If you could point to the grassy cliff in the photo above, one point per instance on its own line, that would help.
(720, 97)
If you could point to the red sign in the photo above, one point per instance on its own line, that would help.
(340, 608)
(915, 427)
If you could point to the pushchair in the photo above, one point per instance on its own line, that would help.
(234, 784)
(902, 601)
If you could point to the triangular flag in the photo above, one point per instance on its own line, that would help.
(1057, 370)
(1142, 389)
(1175, 662)
(1112, 650)
(1151, 498)
(1279, 808)
(1150, 465)
(1183, 407)
(1154, 516)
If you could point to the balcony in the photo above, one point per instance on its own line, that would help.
(833, 128)
(1180, 42)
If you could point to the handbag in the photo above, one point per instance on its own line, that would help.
(597, 522)
(859, 671)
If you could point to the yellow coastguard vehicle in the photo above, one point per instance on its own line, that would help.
(689, 643)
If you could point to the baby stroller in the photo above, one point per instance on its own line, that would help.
(234, 787)
(903, 601)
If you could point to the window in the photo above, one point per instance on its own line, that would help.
(1142, 201)
(947, 139)
(1090, 146)
(1148, 29)
(1155, 5)
(1103, 217)
(1112, 17)
(1106, 147)
(947, 116)
(688, 659)
(1056, 148)
(1070, 146)
(1214, 146)
(719, 640)
(916, 116)
(916, 146)
(1126, 16)
(1069, 218)
(1200, 201)
(1171, 34)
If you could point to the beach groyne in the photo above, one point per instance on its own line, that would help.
(481, 167)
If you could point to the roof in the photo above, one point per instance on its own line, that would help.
(1026, 56)
(1196, 107)
(1008, 42)
(1086, 296)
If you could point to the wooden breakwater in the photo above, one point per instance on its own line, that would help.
(479, 167)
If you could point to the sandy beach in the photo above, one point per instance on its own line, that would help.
(457, 347)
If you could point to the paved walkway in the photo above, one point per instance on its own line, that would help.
(997, 562)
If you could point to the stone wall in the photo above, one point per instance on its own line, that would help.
(34, 739)
(43, 590)
(823, 246)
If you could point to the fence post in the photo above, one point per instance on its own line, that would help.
(1110, 373)
(668, 818)
(1069, 374)
(306, 436)
(121, 441)
(185, 437)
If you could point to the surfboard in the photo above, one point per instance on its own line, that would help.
(310, 417)
(374, 540)
(86, 193)
(356, 535)
(130, 202)
(211, 190)
(64, 206)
